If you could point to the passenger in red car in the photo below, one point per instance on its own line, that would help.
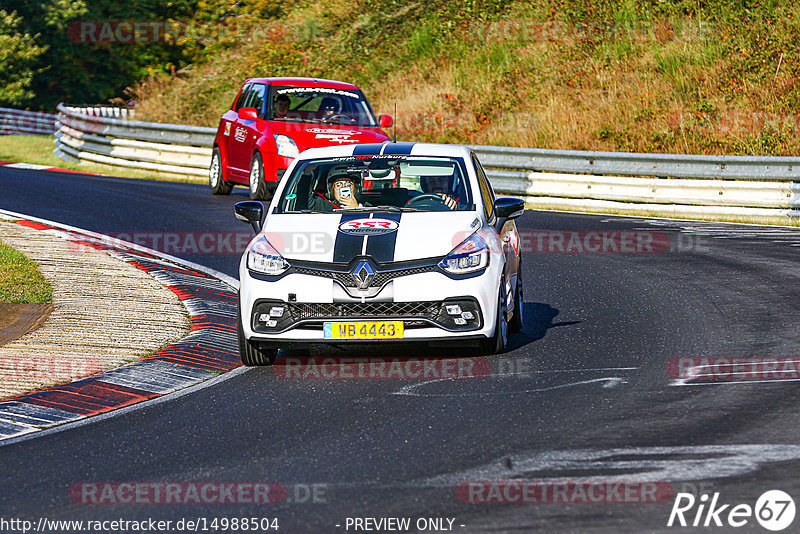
(281, 108)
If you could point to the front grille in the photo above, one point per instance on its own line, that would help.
(428, 309)
(380, 278)
(315, 272)
(414, 314)
(383, 277)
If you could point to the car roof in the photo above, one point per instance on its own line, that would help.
(304, 82)
(387, 147)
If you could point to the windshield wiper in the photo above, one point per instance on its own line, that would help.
(378, 208)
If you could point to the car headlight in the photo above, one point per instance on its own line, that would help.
(286, 146)
(263, 258)
(470, 256)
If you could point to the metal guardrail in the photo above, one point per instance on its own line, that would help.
(15, 121)
(107, 135)
(639, 164)
(104, 111)
(742, 197)
(689, 184)
(683, 183)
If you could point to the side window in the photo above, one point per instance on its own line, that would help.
(256, 98)
(243, 96)
(486, 190)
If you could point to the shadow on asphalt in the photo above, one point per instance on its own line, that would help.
(538, 320)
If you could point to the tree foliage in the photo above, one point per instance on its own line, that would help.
(43, 61)
(18, 57)
(46, 57)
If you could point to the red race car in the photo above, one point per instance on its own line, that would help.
(272, 120)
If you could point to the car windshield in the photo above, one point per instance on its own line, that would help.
(367, 183)
(320, 105)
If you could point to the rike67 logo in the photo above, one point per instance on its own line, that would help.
(774, 510)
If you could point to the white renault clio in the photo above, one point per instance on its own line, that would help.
(380, 243)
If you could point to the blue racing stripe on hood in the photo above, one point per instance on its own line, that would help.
(369, 149)
(381, 247)
(398, 149)
(347, 246)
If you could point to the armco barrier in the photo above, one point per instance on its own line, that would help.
(15, 121)
(681, 184)
(637, 164)
(106, 135)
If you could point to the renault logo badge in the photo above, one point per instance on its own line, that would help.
(362, 274)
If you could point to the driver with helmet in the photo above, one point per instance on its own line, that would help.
(330, 107)
(442, 187)
(342, 190)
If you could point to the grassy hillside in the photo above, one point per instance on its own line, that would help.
(708, 77)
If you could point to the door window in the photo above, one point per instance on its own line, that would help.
(243, 96)
(486, 190)
(256, 97)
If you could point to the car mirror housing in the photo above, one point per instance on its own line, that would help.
(386, 121)
(248, 114)
(509, 208)
(250, 211)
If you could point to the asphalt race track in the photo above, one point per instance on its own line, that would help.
(588, 391)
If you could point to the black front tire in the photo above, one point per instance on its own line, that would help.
(515, 324)
(252, 355)
(215, 181)
(259, 189)
(498, 342)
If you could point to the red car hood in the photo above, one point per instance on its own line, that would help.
(318, 135)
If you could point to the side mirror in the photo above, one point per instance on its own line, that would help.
(250, 211)
(386, 121)
(248, 114)
(509, 208)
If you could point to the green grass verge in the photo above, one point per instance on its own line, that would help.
(21, 280)
(38, 149)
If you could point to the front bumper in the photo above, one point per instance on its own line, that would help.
(421, 301)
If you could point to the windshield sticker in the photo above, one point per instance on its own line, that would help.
(290, 90)
(376, 156)
(332, 131)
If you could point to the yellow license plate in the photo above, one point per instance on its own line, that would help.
(364, 330)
